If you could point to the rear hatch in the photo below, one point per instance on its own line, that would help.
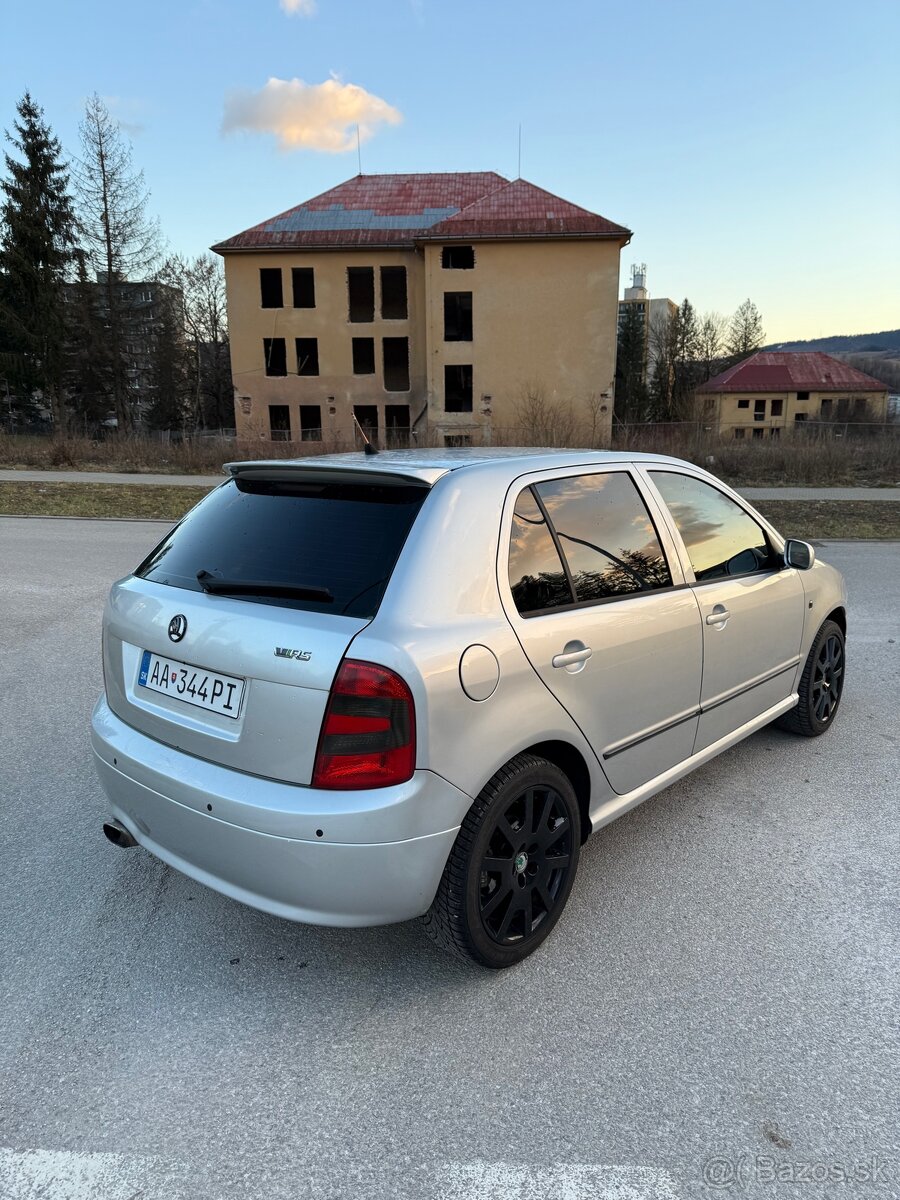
(225, 641)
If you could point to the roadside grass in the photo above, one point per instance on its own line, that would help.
(815, 519)
(818, 459)
(808, 519)
(141, 501)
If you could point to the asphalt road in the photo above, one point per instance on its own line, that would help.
(722, 989)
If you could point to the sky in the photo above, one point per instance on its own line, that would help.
(753, 147)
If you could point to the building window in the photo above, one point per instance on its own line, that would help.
(310, 423)
(457, 258)
(393, 293)
(396, 425)
(743, 403)
(758, 433)
(826, 410)
(275, 356)
(279, 423)
(800, 417)
(363, 356)
(777, 408)
(859, 406)
(395, 353)
(307, 356)
(361, 293)
(803, 395)
(457, 316)
(759, 410)
(270, 287)
(303, 283)
(775, 431)
(739, 433)
(457, 439)
(458, 388)
(367, 415)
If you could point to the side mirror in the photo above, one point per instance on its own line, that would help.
(799, 555)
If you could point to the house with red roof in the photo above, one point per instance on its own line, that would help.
(431, 307)
(774, 390)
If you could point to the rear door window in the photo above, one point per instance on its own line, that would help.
(343, 537)
(606, 535)
(601, 528)
(721, 538)
(536, 576)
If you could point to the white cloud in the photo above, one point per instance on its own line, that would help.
(309, 116)
(125, 112)
(303, 8)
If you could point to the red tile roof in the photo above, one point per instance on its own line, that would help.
(520, 209)
(400, 210)
(787, 371)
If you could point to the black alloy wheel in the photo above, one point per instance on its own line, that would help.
(525, 866)
(512, 866)
(821, 684)
(828, 677)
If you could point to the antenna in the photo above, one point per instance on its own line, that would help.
(368, 448)
(520, 151)
(358, 149)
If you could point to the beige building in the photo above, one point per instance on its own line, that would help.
(429, 307)
(774, 390)
(655, 315)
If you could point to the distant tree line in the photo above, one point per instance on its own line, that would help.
(100, 327)
(684, 349)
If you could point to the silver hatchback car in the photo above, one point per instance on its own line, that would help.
(359, 689)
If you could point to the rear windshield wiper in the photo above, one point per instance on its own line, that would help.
(254, 587)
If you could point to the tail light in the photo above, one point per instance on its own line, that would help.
(368, 736)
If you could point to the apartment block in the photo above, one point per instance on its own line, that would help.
(426, 306)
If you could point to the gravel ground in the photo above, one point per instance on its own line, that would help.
(719, 997)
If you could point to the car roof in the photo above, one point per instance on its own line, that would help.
(427, 466)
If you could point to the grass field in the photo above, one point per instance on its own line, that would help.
(816, 460)
(794, 518)
(166, 503)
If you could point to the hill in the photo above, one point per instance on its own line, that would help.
(848, 343)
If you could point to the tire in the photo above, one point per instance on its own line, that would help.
(511, 868)
(821, 685)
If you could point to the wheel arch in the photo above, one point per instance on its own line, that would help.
(839, 616)
(572, 764)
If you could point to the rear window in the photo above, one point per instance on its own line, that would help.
(345, 537)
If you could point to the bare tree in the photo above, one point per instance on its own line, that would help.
(202, 284)
(542, 421)
(122, 243)
(711, 336)
(745, 334)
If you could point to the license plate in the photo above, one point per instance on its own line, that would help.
(204, 689)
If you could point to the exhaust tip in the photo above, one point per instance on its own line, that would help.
(116, 833)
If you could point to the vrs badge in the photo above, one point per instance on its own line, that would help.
(286, 652)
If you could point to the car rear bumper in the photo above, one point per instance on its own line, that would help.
(324, 857)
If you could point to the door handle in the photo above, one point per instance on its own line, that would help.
(574, 655)
(718, 616)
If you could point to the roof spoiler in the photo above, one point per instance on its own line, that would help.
(370, 471)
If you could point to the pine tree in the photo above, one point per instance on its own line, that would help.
(631, 365)
(88, 363)
(37, 225)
